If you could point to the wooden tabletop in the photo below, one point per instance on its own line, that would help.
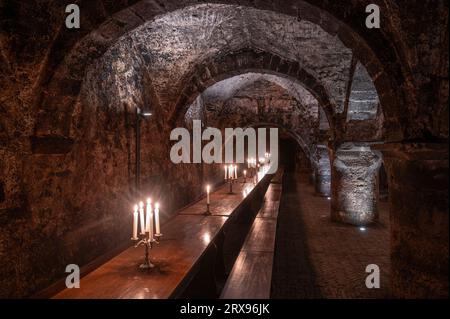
(185, 238)
(222, 203)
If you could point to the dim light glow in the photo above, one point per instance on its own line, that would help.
(362, 228)
(206, 238)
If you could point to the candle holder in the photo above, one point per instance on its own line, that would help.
(207, 212)
(230, 183)
(147, 242)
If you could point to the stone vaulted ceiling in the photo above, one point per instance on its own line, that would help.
(163, 51)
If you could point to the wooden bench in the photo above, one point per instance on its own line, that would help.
(251, 275)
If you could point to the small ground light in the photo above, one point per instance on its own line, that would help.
(362, 228)
(328, 198)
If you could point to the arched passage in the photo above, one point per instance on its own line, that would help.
(72, 68)
(245, 61)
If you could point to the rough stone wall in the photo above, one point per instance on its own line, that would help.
(418, 198)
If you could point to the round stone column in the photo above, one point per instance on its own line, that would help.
(418, 204)
(322, 172)
(354, 184)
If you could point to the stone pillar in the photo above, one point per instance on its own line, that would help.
(354, 184)
(322, 172)
(418, 203)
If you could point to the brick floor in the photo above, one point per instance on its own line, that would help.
(317, 258)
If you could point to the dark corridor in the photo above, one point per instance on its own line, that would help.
(288, 151)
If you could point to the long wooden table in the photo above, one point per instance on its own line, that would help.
(189, 255)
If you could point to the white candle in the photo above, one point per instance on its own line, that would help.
(226, 168)
(235, 171)
(149, 219)
(248, 163)
(157, 218)
(230, 172)
(141, 216)
(135, 222)
(245, 173)
(208, 188)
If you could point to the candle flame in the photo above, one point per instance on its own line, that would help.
(141, 204)
(149, 200)
(135, 208)
(156, 205)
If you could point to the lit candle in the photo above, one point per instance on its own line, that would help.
(248, 163)
(245, 173)
(157, 218)
(141, 216)
(230, 172)
(235, 171)
(226, 168)
(135, 222)
(208, 188)
(149, 219)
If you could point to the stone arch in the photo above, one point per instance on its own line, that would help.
(369, 47)
(246, 61)
(227, 89)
